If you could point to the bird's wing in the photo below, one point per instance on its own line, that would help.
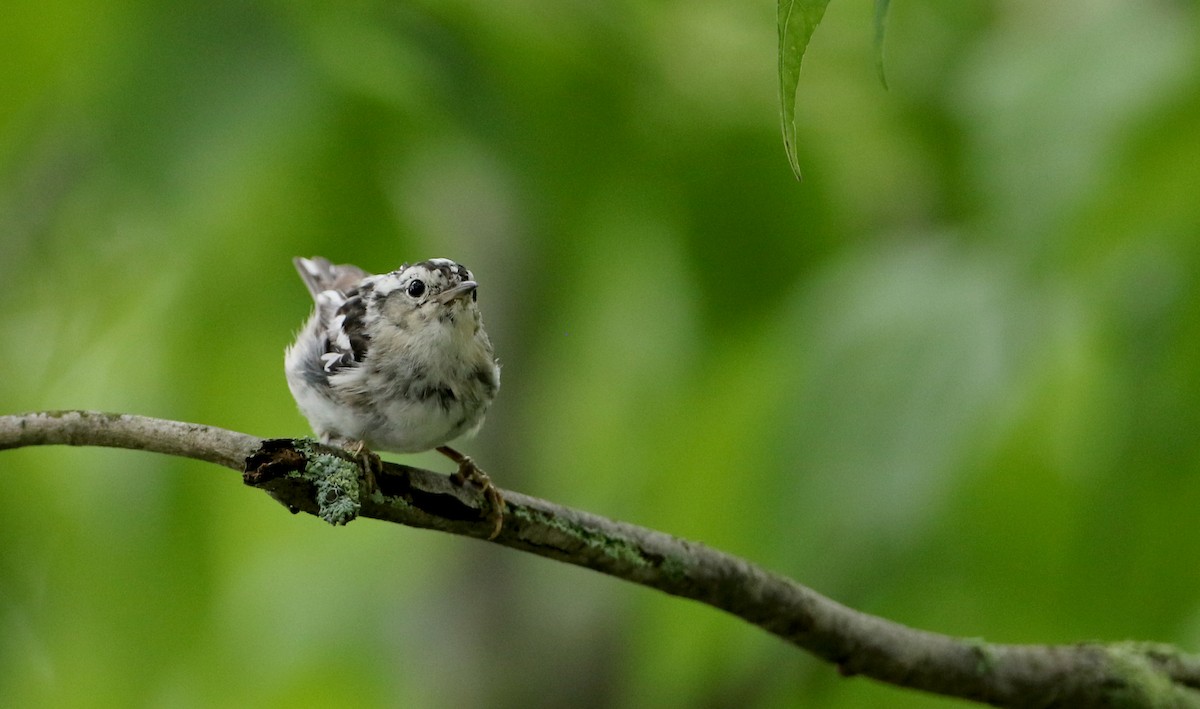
(340, 319)
(344, 322)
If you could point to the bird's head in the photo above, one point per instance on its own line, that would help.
(435, 296)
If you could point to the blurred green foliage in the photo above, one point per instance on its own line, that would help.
(952, 378)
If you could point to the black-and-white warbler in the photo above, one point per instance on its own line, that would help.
(395, 362)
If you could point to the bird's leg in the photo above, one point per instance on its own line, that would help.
(370, 462)
(468, 471)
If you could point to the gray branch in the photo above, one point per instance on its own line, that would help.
(310, 477)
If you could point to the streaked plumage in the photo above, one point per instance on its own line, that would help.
(399, 361)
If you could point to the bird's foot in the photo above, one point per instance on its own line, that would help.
(468, 471)
(371, 465)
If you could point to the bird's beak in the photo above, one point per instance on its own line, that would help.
(461, 290)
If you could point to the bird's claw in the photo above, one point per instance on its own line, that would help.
(468, 471)
(371, 465)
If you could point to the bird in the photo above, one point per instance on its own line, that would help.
(396, 362)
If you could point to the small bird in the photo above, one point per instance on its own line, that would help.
(395, 362)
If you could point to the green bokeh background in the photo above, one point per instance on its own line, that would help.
(952, 378)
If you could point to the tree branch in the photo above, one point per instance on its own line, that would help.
(310, 477)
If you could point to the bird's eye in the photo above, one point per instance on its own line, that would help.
(416, 289)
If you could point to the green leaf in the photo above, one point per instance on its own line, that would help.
(797, 20)
(881, 9)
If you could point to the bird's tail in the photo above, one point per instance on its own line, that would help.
(320, 275)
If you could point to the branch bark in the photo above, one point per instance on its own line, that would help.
(310, 477)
